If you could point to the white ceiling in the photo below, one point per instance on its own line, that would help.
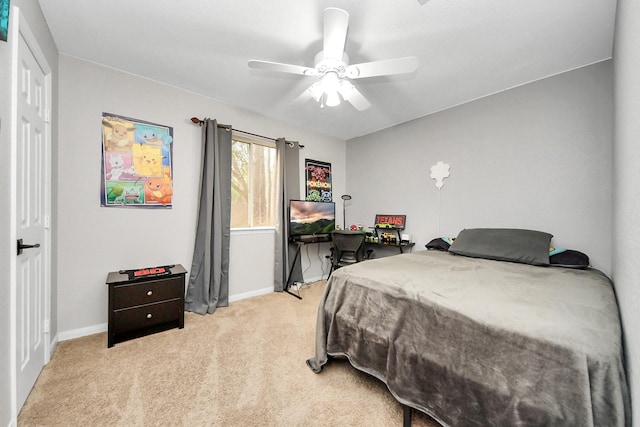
(467, 49)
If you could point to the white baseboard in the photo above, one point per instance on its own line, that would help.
(82, 332)
(96, 329)
(52, 346)
(250, 294)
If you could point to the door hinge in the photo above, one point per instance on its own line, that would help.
(47, 115)
(46, 326)
(47, 221)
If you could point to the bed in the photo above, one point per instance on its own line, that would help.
(476, 341)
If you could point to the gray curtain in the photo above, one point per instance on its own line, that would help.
(288, 181)
(208, 285)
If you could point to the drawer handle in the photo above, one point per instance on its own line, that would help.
(149, 293)
(149, 316)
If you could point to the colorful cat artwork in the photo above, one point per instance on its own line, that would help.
(137, 168)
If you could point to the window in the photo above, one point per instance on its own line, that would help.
(253, 183)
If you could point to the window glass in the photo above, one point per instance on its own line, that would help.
(253, 186)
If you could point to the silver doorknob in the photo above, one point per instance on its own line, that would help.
(22, 246)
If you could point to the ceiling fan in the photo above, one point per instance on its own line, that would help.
(332, 68)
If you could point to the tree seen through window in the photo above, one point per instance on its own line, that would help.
(253, 186)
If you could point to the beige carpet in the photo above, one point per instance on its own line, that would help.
(243, 366)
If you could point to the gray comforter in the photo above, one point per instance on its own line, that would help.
(478, 342)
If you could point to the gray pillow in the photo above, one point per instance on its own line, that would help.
(504, 244)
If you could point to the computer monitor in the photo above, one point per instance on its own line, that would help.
(309, 219)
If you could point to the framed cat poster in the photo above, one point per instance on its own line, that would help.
(137, 163)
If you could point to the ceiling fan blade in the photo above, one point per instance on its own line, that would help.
(353, 95)
(358, 100)
(336, 22)
(282, 68)
(385, 67)
(301, 99)
(312, 92)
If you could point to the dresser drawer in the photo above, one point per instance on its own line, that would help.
(148, 315)
(131, 295)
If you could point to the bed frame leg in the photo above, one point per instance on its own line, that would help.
(406, 418)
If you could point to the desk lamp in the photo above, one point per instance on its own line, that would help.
(345, 197)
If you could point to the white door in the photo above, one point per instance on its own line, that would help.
(32, 197)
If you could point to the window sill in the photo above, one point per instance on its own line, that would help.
(253, 230)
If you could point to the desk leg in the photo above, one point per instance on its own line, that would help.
(291, 293)
(288, 284)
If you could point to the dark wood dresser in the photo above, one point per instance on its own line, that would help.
(144, 305)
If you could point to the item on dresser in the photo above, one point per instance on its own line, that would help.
(145, 301)
(148, 272)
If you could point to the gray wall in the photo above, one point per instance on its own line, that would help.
(95, 240)
(537, 156)
(626, 237)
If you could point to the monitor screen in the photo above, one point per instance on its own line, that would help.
(308, 218)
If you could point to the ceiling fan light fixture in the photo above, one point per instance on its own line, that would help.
(330, 82)
(333, 99)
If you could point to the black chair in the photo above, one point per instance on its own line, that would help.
(347, 248)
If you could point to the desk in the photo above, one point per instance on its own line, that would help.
(303, 240)
(401, 246)
(395, 236)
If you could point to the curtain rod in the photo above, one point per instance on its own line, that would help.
(199, 122)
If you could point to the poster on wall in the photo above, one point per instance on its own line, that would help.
(318, 177)
(4, 19)
(137, 163)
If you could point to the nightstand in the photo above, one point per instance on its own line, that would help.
(142, 305)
